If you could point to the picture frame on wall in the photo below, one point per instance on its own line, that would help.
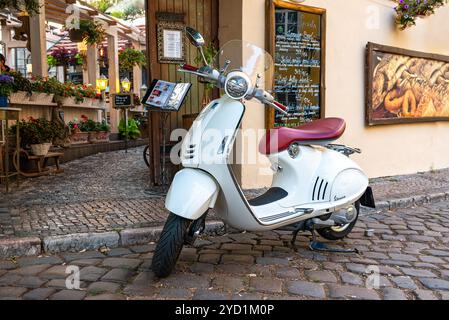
(405, 86)
(296, 39)
(171, 42)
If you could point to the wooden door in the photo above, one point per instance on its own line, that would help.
(201, 15)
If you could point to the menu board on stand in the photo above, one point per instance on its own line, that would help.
(297, 44)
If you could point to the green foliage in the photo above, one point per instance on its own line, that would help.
(210, 52)
(132, 12)
(51, 61)
(408, 10)
(102, 5)
(129, 58)
(132, 133)
(30, 6)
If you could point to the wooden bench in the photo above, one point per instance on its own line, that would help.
(41, 163)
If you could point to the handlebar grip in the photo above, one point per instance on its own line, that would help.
(189, 67)
(280, 106)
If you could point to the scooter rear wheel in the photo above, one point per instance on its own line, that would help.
(338, 233)
(170, 245)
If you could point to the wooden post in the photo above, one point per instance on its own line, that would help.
(153, 73)
(137, 73)
(38, 42)
(114, 82)
(93, 70)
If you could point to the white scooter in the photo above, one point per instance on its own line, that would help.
(315, 185)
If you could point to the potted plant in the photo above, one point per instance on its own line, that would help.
(132, 132)
(6, 88)
(21, 88)
(408, 10)
(36, 134)
(89, 31)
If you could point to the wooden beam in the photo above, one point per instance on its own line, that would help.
(38, 43)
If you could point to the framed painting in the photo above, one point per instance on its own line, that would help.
(405, 86)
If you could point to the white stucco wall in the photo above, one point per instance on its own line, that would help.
(351, 24)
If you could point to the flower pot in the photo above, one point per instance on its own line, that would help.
(95, 103)
(76, 35)
(42, 98)
(79, 138)
(99, 137)
(87, 102)
(40, 149)
(19, 97)
(3, 101)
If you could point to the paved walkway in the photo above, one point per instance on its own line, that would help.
(409, 249)
(110, 191)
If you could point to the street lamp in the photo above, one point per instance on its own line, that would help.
(126, 85)
(102, 83)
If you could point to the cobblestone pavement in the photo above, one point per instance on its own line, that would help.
(409, 247)
(110, 191)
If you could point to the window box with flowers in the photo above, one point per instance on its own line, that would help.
(100, 133)
(77, 135)
(21, 88)
(44, 90)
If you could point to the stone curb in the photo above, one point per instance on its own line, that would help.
(28, 246)
(16, 247)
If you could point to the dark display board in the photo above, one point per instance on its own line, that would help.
(122, 100)
(298, 34)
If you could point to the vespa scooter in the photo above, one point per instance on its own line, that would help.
(315, 184)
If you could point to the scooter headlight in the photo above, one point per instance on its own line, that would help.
(237, 85)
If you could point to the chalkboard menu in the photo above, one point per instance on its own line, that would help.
(298, 52)
(122, 100)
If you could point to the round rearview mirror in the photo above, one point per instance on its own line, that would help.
(195, 37)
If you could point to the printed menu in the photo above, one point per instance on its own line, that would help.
(167, 95)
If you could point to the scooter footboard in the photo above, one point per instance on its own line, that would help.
(191, 194)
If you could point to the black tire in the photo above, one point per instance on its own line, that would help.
(146, 155)
(331, 234)
(170, 245)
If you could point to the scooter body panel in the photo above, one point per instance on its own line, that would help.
(191, 194)
(318, 181)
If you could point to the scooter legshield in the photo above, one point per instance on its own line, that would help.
(191, 194)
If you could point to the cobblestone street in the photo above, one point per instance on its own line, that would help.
(110, 191)
(410, 247)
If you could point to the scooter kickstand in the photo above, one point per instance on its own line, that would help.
(315, 245)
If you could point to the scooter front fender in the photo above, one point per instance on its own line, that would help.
(191, 194)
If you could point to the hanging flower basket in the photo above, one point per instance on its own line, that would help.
(76, 35)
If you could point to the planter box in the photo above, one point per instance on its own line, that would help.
(69, 101)
(3, 101)
(19, 97)
(87, 103)
(99, 137)
(79, 138)
(96, 103)
(42, 98)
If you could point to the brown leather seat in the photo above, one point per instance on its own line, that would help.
(279, 139)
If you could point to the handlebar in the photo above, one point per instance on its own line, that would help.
(219, 79)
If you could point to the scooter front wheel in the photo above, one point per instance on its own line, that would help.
(170, 245)
(338, 233)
